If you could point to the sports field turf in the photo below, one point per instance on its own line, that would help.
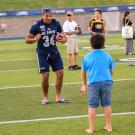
(20, 94)
(38, 4)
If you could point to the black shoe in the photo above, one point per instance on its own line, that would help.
(76, 67)
(70, 68)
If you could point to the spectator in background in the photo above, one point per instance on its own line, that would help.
(129, 48)
(44, 33)
(97, 25)
(71, 29)
(99, 65)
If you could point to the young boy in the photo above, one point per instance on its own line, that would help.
(99, 65)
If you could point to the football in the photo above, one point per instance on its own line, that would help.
(78, 28)
(59, 36)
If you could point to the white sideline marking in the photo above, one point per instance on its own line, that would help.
(16, 60)
(30, 69)
(16, 70)
(30, 86)
(62, 118)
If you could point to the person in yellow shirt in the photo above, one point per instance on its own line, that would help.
(97, 25)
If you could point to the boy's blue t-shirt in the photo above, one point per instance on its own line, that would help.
(98, 64)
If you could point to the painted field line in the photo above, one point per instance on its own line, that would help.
(30, 69)
(16, 60)
(37, 85)
(31, 86)
(17, 70)
(63, 118)
(13, 60)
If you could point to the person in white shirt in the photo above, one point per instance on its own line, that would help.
(71, 29)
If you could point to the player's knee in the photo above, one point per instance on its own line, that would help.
(45, 77)
(60, 74)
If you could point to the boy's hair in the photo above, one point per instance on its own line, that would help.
(97, 41)
(98, 10)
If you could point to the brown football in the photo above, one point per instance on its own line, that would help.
(59, 36)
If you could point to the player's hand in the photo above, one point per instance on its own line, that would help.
(37, 37)
(83, 90)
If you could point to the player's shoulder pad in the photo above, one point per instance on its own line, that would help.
(55, 21)
(36, 23)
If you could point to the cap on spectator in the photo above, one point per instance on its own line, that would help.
(46, 9)
(69, 13)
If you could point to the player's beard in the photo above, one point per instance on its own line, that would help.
(47, 21)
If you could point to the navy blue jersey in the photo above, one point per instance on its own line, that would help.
(47, 43)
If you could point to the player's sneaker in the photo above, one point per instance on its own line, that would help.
(44, 102)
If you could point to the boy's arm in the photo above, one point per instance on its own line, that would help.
(84, 83)
(112, 72)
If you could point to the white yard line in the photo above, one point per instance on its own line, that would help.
(16, 60)
(37, 85)
(62, 118)
(30, 69)
(31, 86)
(17, 70)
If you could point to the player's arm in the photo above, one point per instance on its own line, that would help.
(30, 39)
(62, 38)
(84, 83)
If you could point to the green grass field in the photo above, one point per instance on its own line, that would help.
(38, 4)
(20, 93)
